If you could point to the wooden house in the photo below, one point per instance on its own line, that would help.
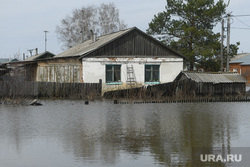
(27, 69)
(124, 59)
(200, 83)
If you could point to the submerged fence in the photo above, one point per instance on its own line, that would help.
(12, 89)
(151, 92)
(167, 93)
(188, 100)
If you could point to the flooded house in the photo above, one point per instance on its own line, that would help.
(27, 69)
(124, 59)
(120, 60)
(205, 83)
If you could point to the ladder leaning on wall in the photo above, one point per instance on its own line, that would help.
(130, 75)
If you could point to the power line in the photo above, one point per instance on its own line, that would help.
(242, 22)
(246, 15)
(240, 28)
(240, 15)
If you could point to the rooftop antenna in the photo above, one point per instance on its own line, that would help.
(31, 50)
(45, 39)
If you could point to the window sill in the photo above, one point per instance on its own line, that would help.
(114, 83)
(152, 83)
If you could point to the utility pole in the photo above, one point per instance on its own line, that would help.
(46, 40)
(228, 39)
(82, 38)
(222, 46)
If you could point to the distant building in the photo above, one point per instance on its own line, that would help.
(27, 69)
(204, 83)
(4, 60)
(241, 63)
(41, 56)
(3, 69)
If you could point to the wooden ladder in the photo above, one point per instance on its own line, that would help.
(130, 75)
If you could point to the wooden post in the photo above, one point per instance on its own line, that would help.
(100, 87)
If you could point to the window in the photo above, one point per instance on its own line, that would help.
(152, 73)
(113, 73)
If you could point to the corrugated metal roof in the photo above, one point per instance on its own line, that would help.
(227, 77)
(243, 59)
(89, 45)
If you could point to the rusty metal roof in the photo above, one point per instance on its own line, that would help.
(225, 77)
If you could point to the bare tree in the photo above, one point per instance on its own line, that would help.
(69, 32)
(109, 19)
(102, 20)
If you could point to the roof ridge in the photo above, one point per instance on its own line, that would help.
(115, 32)
(229, 72)
(214, 77)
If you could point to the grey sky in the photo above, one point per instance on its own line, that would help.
(22, 22)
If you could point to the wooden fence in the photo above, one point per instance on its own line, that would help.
(13, 89)
(166, 93)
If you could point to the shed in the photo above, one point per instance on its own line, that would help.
(201, 83)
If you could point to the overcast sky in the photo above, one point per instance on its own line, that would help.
(22, 23)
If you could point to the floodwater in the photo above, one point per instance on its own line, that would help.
(65, 133)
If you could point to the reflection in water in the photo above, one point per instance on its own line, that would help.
(102, 133)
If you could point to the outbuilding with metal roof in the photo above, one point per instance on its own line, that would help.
(201, 83)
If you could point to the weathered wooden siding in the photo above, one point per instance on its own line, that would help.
(59, 73)
(134, 43)
(60, 70)
(25, 70)
(189, 87)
